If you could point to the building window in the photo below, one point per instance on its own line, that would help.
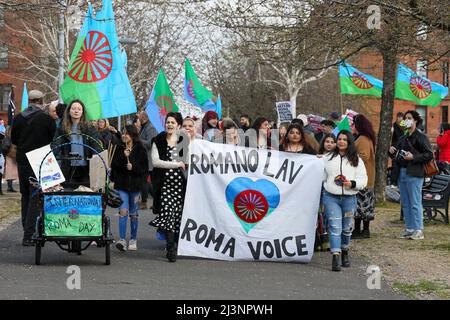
(422, 110)
(444, 117)
(3, 57)
(445, 72)
(5, 89)
(421, 68)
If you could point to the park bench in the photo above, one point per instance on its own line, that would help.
(435, 197)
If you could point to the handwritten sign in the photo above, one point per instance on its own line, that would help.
(50, 172)
(284, 111)
(73, 215)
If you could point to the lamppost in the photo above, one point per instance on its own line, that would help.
(124, 41)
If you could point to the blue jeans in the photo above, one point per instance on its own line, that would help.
(411, 200)
(129, 207)
(339, 211)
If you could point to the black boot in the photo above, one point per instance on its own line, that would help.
(366, 231)
(1, 192)
(171, 247)
(345, 260)
(335, 263)
(10, 186)
(356, 234)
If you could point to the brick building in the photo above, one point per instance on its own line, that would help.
(372, 63)
(11, 68)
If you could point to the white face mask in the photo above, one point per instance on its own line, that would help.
(409, 123)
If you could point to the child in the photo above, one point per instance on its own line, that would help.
(327, 145)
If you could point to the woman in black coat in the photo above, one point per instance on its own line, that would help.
(130, 166)
(73, 157)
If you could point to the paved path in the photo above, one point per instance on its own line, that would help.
(146, 274)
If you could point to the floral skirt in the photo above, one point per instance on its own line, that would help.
(366, 205)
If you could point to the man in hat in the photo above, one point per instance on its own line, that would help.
(31, 129)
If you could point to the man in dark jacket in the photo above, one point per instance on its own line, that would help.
(148, 132)
(31, 129)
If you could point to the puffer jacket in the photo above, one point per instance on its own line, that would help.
(339, 165)
(444, 146)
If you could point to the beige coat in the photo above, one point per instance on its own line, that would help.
(366, 152)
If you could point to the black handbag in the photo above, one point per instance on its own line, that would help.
(113, 198)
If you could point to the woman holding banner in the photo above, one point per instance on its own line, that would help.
(295, 141)
(345, 176)
(169, 148)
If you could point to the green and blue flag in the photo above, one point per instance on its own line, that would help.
(96, 73)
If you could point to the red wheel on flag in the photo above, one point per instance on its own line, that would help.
(94, 59)
(420, 87)
(251, 206)
(190, 89)
(165, 102)
(360, 81)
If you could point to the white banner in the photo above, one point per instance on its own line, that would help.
(284, 111)
(50, 172)
(248, 204)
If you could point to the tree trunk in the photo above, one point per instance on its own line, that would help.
(384, 133)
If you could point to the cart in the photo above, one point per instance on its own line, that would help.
(73, 219)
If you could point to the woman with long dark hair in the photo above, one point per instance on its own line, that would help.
(411, 153)
(443, 141)
(210, 126)
(130, 166)
(262, 131)
(295, 141)
(365, 145)
(169, 150)
(75, 129)
(345, 175)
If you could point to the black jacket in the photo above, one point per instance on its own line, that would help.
(418, 144)
(130, 180)
(31, 129)
(397, 134)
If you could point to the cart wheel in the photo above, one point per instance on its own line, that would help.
(107, 253)
(37, 256)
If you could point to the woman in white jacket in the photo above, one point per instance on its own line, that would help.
(345, 175)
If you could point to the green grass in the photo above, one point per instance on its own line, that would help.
(439, 289)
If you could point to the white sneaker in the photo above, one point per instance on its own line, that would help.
(121, 245)
(132, 245)
(416, 235)
(406, 234)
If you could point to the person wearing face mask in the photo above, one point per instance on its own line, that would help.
(169, 152)
(73, 153)
(411, 153)
(130, 166)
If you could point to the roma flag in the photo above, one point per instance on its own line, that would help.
(409, 86)
(354, 81)
(96, 73)
(195, 92)
(161, 102)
